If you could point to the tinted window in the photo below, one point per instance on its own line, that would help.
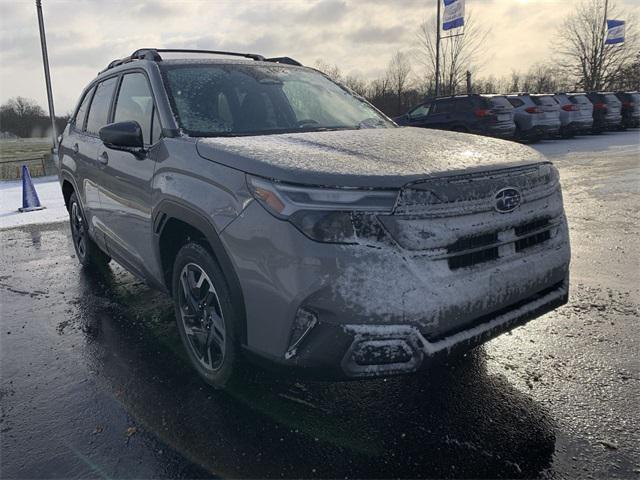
(611, 98)
(99, 112)
(516, 102)
(135, 103)
(635, 98)
(500, 102)
(579, 99)
(548, 101)
(81, 114)
(420, 111)
(464, 105)
(561, 99)
(226, 100)
(445, 106)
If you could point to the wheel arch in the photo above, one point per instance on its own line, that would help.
(172, 220)
(68, 185)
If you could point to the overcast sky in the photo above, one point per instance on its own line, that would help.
(358, 35)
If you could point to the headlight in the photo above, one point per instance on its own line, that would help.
(322, 214)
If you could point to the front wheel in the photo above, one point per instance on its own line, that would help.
(205, 315)
(88, 253)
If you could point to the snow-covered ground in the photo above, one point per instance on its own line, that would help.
(50, 196)
(613, 142)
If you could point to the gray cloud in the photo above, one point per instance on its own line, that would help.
(358, 35)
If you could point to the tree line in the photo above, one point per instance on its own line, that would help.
(24, 118)
(580, 61)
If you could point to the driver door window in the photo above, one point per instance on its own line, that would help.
(135, 104)
(420, 111)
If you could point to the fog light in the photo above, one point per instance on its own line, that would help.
(303, 323)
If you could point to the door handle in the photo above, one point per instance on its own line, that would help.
(103, 158)
(76, 149)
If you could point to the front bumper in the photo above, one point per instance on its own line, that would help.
(352, 351)
(369, 300)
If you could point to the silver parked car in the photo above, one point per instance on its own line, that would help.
(576, 114)
(295, 225)
(536, 116)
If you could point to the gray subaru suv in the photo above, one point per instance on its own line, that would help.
(295, 225)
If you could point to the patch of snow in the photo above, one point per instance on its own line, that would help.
(50, 194)
(618, 142)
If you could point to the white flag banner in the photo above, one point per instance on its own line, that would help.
(453, 14)
(615, 32)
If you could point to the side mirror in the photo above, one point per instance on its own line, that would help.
(122, 136)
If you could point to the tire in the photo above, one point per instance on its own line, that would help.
(206, 317)
(89, 254)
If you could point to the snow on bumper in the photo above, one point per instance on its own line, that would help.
(394, 349)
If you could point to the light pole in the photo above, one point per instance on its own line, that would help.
(47, 76)
(438, 48)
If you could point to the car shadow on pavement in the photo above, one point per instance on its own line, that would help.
(452, 421)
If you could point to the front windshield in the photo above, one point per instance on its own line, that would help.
(236, 99)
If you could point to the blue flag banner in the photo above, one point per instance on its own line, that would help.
(615, 32)
(453, 14)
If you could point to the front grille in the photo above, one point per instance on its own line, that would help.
(531, 226)
(476, 241)
(533, 240)
(485, 247)
(474, 258)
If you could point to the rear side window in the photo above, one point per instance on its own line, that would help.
(81, 114)
(135, 104)
(464, 105)
(445, 106)
(99, 111)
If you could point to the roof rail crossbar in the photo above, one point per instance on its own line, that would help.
(253, 56)
(153, 54)
(285, 60)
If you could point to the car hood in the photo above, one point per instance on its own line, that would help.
(377, 158)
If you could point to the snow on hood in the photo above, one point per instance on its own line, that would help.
(383, 158)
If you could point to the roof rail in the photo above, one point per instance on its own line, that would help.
(286, 60)
(153, 54)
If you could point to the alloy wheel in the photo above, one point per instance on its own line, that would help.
(202, 317)
(78, 230)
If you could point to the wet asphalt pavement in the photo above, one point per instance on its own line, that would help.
(94, 381)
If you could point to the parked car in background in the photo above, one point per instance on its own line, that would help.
(630, 108)
(536, 116)
(490, 115)
(295, 225)
(574, 118)
(585, 111)
(607, 111)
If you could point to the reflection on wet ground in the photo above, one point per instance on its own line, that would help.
(95, 382)
(82, 344)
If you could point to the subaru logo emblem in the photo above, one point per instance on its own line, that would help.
(507, 200)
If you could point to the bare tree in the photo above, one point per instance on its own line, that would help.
(457, 54)
(398, 73)
(580, 44)
(357, 84)
(332, 71)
